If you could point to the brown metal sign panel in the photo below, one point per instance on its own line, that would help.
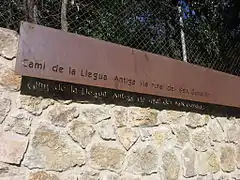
(56, 55)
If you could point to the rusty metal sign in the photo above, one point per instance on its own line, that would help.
(56, 55)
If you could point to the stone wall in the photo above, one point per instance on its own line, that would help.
(46, 139)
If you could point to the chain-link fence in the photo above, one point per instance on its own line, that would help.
(151, 25)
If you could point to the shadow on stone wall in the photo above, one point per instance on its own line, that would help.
(95, 95)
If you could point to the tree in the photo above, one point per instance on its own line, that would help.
(31, 11)
(10, 14)
(215, 34)
(212, 31)
(146, 25)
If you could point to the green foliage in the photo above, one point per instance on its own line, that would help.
(215, 34)
(145, 25)
(212, 36)
(10, 13)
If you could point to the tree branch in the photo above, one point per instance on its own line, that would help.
(64, 23)
(31, 11)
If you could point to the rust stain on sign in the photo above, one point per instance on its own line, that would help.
(56, 55)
